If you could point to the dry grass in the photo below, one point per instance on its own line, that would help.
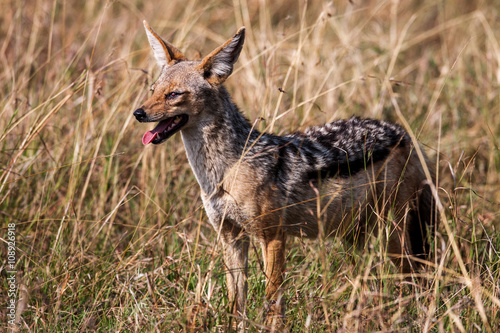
(111, 236)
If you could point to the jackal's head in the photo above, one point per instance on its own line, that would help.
(185, 88)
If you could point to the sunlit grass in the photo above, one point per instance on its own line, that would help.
(111, 235)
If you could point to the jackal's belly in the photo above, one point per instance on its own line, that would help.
(306, 212)
(325, 213)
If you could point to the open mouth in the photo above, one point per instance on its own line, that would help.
(165, 129)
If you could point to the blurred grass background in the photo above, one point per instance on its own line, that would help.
(111, 235)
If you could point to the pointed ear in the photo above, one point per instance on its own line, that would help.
(218, 65)
(165, 53)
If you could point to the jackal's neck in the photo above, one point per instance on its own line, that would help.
(216, 141)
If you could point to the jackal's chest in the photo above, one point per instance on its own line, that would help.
(221, 208)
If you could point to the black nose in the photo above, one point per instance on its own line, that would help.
(140, 114)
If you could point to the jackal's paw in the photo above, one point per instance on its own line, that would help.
(275, 316)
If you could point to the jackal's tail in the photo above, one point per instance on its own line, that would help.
(423, 223)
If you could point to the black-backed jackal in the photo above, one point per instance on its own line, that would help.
(339, 179)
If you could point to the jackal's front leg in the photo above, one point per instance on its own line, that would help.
(274, 263)
(236, 261)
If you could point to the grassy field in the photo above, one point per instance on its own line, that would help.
(112, 236)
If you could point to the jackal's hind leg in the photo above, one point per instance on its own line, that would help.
(399, 246)
(417, 222)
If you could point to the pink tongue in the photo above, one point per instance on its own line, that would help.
(151, 135)
(148, 137)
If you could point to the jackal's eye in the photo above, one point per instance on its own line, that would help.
(172, 95)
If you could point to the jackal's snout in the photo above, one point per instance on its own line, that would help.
(140, 115)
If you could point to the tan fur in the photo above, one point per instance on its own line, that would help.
(241, 196)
